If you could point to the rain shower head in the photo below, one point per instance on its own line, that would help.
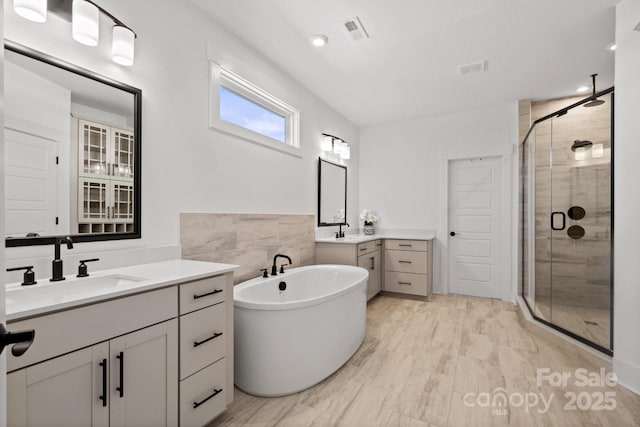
(581, 144)
(594, 102)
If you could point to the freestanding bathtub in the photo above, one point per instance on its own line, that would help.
(289, 340)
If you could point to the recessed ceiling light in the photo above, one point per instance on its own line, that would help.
(583, 89)
(319, 40)
(611, 47)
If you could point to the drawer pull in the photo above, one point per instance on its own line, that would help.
(363, 249)
(404, 283)
(215, 393)
(104, 382)
(404, 262)
(378, 244)
(215, 291)
(215, 335)
(405, 245)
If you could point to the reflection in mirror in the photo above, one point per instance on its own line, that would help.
(332, 194)
(71, 152)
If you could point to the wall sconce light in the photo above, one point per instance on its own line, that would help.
(336, 145)
(580, 148)
(33, 10)
(84, 16)
(327, 143)
(597, 150)
(85, 23)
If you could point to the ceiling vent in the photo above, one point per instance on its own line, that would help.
(475, 67)
(356, 29)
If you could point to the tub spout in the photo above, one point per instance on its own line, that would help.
(274, 268)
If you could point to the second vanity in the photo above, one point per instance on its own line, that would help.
(144, 345)
(399, 264)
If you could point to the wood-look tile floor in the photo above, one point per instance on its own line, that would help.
(418, 364)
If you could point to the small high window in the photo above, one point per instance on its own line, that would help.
(242, 109)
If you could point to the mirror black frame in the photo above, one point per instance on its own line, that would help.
(326, 224)
(137, 128)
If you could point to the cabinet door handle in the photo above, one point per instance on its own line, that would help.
(104, 382)
(215, 335)
(121, 388)
(215, 291)
(372, 263)
(404, 262)
(404, 283)
(215, 393)
(405, 245)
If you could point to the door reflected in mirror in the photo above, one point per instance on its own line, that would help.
(332, 194)
(71, 151)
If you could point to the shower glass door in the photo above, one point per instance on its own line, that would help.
(580, 222)
(566, 221)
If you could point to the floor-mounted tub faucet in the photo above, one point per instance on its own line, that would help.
(274, 268)
(56, 264)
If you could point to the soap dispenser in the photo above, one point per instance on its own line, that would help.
(29, 277)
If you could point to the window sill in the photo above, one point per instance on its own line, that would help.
(254, 137)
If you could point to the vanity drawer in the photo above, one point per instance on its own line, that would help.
(368, 247)
(405, 261)
(405, 283)
(201, 338)
(202, 293)
(198, 390)
(407, 245)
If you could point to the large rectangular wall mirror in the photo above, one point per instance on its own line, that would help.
(72, 152)
(332, 194)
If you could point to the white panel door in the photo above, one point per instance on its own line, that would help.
(30, 184)
(475, 264)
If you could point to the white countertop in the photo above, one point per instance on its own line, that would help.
(361, 238)
(46, 297)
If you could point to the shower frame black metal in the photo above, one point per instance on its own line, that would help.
(559, 113)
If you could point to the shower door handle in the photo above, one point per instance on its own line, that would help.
(564, 221)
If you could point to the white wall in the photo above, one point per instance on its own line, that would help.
(403, 172)
(186, 166)
(626, 336)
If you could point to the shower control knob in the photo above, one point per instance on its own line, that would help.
(453, 233)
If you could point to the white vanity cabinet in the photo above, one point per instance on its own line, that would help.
(206, 349)
(127, 381)
(367, 255)
(408, 267)
(157, 358)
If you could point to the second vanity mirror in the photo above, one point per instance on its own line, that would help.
(332, 194)
(72, 152)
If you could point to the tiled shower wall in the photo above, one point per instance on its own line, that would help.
(249, 240)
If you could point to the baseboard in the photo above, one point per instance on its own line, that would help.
(628, 374)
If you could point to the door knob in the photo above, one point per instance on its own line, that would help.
(453, 233)
(22, 340)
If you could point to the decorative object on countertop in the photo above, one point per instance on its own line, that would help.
(369, 218)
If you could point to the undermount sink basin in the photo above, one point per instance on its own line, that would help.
(67, 289)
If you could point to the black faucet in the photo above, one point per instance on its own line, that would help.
(340, 233)
(56, 264)
(274, 268)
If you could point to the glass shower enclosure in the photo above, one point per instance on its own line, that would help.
(566, 220)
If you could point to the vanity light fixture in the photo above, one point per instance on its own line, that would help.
(84, 16)
(327, 143)
(85, 23)
(597, 150)
(33, 10)
(336, 145)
